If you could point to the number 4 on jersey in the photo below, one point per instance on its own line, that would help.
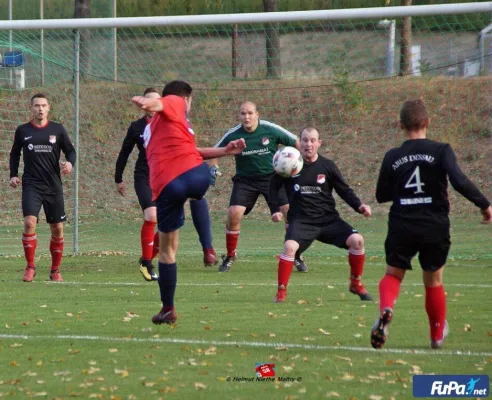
(417, 183)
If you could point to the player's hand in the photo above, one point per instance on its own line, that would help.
(214, 174)
(487, 215)
(365, 210)
(277, 217)
(66, 167)
(140, 101)
(235, 147)
(14, 182)
(121, 188)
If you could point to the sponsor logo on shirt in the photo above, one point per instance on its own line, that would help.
(310, 189)
(52, 139)
(297, 187)
(258, 151)
(30, 146)
(28, 137)
(321, 179)
(265, 141)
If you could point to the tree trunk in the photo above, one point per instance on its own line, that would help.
(273, 62)
(83, 10)
(406, 43)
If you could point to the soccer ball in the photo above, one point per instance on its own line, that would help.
(287, 162)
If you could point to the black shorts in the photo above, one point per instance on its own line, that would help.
(402, 245)
(53, 205)
(245, 192)
(335, 232)
(143, 191)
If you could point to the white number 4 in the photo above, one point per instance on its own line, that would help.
(417, 183)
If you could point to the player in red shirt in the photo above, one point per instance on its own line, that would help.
(177, 173)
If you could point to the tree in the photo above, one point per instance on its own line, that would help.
(274, 65)
(83, 10)
(406, 43)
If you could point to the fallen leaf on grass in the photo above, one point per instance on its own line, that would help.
(281, 348)
(149, 384)
(13, 363)
(468, 328)
(375, 397)
(357, 335)
(121, 372)
(211, 351)
(69, 314)
(398, 362)
(113, 350)
(302, 302)
(324, 332)
(286, 368)
(344, 359)
(61, 373)
(273, 334)
(332, 394)
(308, 338)
(200, 386)
(40, 394)
(15, 345)
(207, 327)
(347, 377)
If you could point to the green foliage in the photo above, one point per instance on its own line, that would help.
(353, 93)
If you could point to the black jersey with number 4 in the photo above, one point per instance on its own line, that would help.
(41, 147)
(414, 177)
(310, 192)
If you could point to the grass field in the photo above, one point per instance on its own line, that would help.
(91, 337)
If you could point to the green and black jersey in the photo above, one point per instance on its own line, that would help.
(261, 145)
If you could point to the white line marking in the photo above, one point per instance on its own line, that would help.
(225, 284)
(247, 344)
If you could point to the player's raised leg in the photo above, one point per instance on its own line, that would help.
(201, 220)
(356, 258)
(389, 289)
(285, 265)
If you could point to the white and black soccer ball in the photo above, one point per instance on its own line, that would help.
(287, 162)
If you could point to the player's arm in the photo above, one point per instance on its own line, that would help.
(148, 104)
(276, 183)
(15, 154)
(121, 161)
(69, 151)
(233, 148)
(383, 188)
(284, 136)
(346, 193)
(463, 185)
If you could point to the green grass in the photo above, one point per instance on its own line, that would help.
(91, 337)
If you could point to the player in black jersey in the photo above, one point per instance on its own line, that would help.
(313, 216)
(41, 142)
(150, 240)
(414, 177)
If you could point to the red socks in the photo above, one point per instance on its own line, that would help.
(29, 242)
(389, 289)
(435, 306)
(285, 266)
(356, 261)
(231, 242)
(56, 250)
(147, 239)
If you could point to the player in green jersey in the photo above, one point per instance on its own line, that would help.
(253, 172)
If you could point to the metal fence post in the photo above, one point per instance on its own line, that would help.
(76, 82)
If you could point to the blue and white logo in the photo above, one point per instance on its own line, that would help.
(451, 386)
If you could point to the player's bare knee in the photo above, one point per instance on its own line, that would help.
(150, 214)
(234, 216)
(30, 224)
(355, 242)
(56, 230)
(290, 248)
